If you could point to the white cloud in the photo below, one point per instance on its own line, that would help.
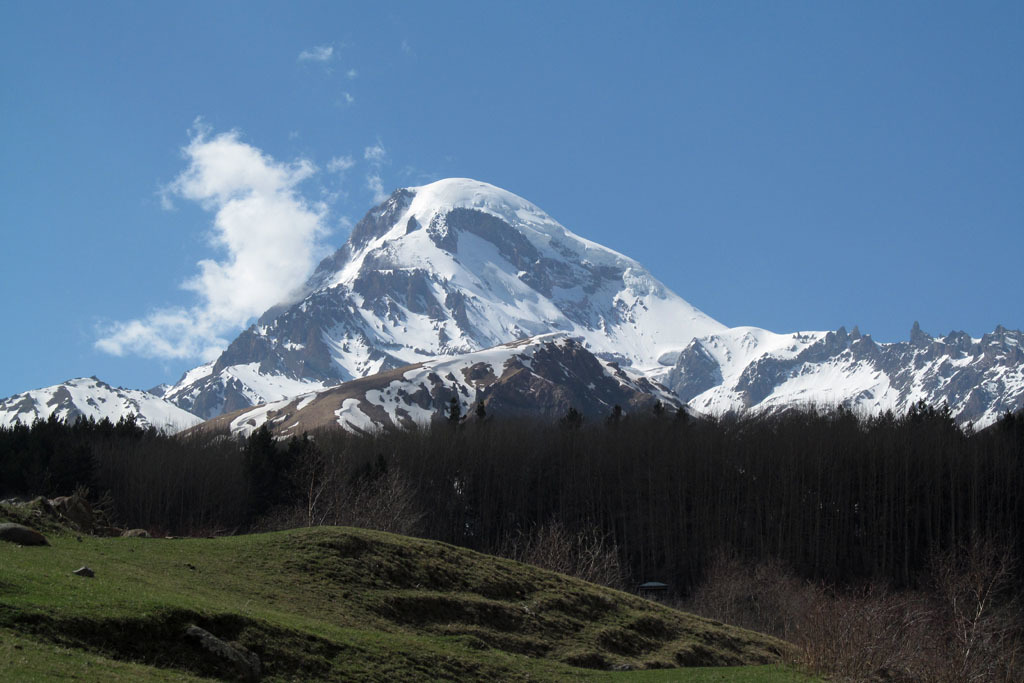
(320, 53)
(167, 333)
(340, 164)
(270, 236)
(351, 74)
(346, 98)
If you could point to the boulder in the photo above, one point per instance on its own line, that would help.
(84, 572)
(21, 534)
(246, 663)
(40, 505)
(76, 510)
(135, 533)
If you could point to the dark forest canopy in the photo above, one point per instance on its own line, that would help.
(833, 496)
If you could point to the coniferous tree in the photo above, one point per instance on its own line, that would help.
(454, 411)
(264, 470)
(572, 419)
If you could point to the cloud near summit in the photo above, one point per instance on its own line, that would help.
(377, 156)
(269, 237)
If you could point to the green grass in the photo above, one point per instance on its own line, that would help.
(27, 659)
(772, 673)
(341, 604)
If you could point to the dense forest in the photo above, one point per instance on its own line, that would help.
(835, 497)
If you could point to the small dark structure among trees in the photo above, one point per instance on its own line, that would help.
(653, 590)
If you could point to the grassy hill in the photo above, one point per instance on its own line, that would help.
(339, 604)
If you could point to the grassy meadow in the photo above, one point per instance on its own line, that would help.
(342, 604)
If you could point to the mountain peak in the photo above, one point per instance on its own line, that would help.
(466, 193)
(448, 268)
(919, 337)
(89, 397)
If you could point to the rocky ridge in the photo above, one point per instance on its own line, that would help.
(747, 369)
(542, 376)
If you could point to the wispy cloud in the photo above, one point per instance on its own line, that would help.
(377, 156)
(340, 164)
(351, 74)
(346, 99)
(418, 175)
(375, 153)
(376, 185)
(319, 53)
(268, 233)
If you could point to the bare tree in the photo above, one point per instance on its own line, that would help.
(587, 554)
(982, 617)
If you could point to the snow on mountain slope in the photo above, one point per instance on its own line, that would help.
(445, 269)
(458, 265)
(749, 369)
(237, 386)
(89, 397)
(541, 376)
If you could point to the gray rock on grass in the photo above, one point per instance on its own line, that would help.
(135, 533)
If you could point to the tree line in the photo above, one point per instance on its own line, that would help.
(836, 497)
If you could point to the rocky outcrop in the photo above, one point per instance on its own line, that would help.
(244, 662)
(76, 511)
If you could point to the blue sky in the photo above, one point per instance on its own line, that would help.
(794, 166)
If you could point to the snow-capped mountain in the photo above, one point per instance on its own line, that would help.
(444, 269)
(89, 397)
(746, 368)
(539, 377)
(458, 266)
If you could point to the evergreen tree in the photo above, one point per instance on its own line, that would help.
(573, 419)
(454, 411)
(659, 409)
(264, 468)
